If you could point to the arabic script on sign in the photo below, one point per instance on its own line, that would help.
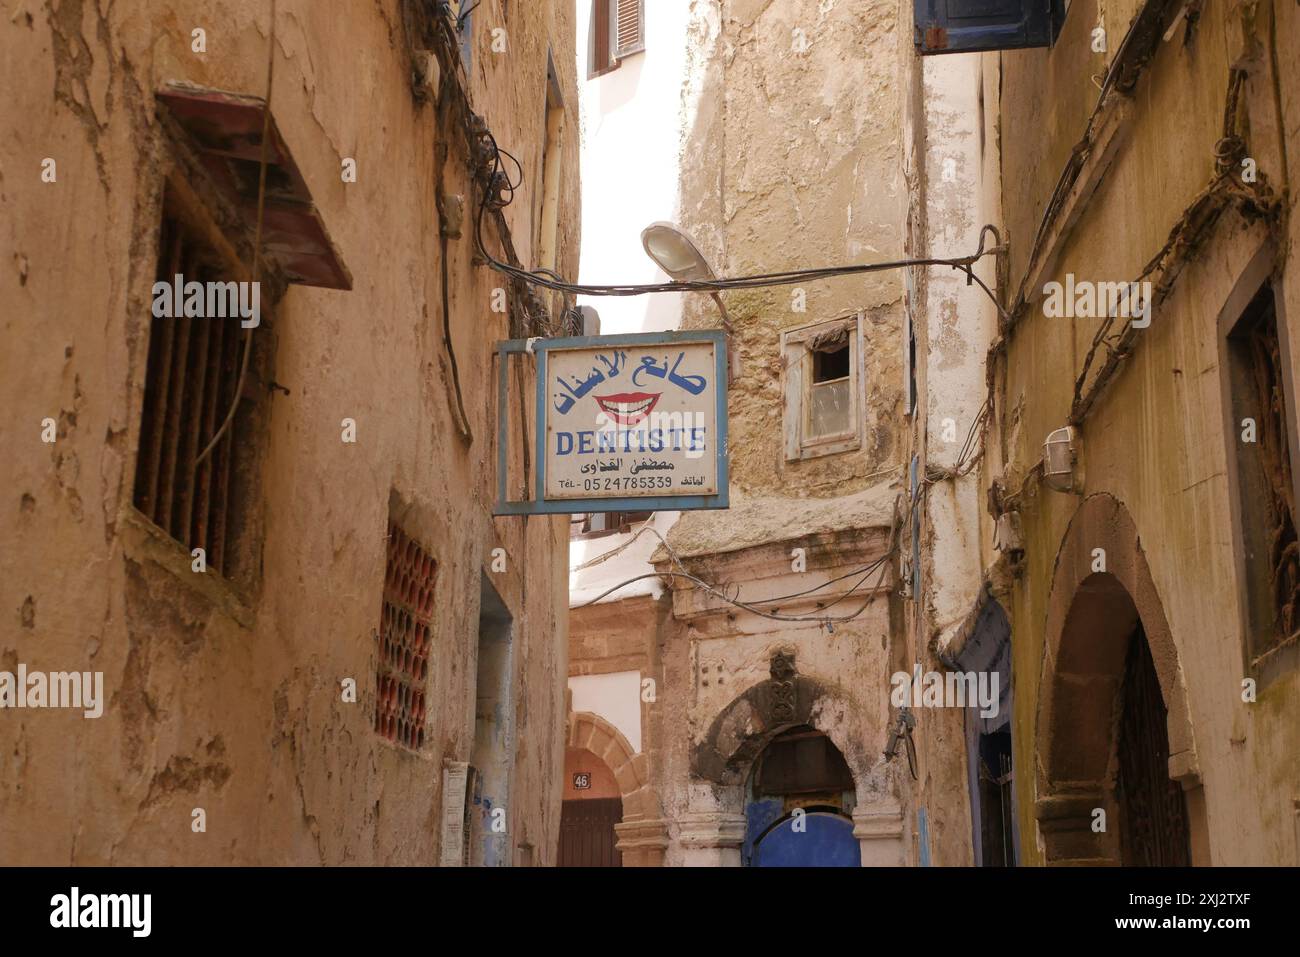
(631, 422)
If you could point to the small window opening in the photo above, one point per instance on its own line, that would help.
(1267, 505)
(596, 524)
(191, 382)
(830, 399)
(830, 366)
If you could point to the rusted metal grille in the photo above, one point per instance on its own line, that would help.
(1264, 474)
(802, 761)
(1153, 812)
(404, 638)
(190, 383)
(1275, 459)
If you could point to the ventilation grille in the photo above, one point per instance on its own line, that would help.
(404, 638)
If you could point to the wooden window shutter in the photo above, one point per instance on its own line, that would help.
(629, 27)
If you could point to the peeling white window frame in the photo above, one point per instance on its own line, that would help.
(796, 384)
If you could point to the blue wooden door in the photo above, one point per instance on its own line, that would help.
(826, 841)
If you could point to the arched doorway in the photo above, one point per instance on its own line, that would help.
(1153, 829)
(639, 829)
(799, 804)
(723, 820)
(1117, 779)
(983, 646)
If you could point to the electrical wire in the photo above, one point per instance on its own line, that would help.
(257, 247)
(499, 193)
(880, 563)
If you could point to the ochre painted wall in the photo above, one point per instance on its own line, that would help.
(1155, 440)
(239, 713)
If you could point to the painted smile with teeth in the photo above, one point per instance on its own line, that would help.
(628, 408)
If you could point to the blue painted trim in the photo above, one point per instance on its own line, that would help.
(539, 425)
(539, 504)
(923, 835)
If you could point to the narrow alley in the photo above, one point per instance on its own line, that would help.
(614, 433)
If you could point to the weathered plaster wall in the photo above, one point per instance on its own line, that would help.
(718, 654)
(1156, 438)
(237, 709)
(792, 159)
(953, 324)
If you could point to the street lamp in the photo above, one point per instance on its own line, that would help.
(677, 255)
(675, 252)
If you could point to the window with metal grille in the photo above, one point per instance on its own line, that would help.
(1266, 497)
(191, 382)
(405, 633)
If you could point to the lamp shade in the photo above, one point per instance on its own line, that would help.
(675, 252)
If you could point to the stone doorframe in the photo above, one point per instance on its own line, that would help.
(1089, 619)
(642, 834)
(713, 830)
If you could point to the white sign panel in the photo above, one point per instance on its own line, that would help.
(632, 421)
(455, 775)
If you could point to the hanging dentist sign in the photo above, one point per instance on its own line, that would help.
(634, 421)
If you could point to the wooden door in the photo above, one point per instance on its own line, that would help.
(587, 835)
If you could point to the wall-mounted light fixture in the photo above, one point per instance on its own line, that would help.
(677, 255)
(1060, 453)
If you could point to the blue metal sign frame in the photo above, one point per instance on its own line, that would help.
(539, 504)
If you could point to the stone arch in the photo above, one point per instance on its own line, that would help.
(758, 714)
(640, 834)
(712, 835)
(1091, 613)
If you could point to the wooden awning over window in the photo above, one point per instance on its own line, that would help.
(227, 132)
(831, 340)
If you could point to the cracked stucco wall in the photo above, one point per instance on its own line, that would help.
(237, 710)
(953, 323)
(791, 157)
